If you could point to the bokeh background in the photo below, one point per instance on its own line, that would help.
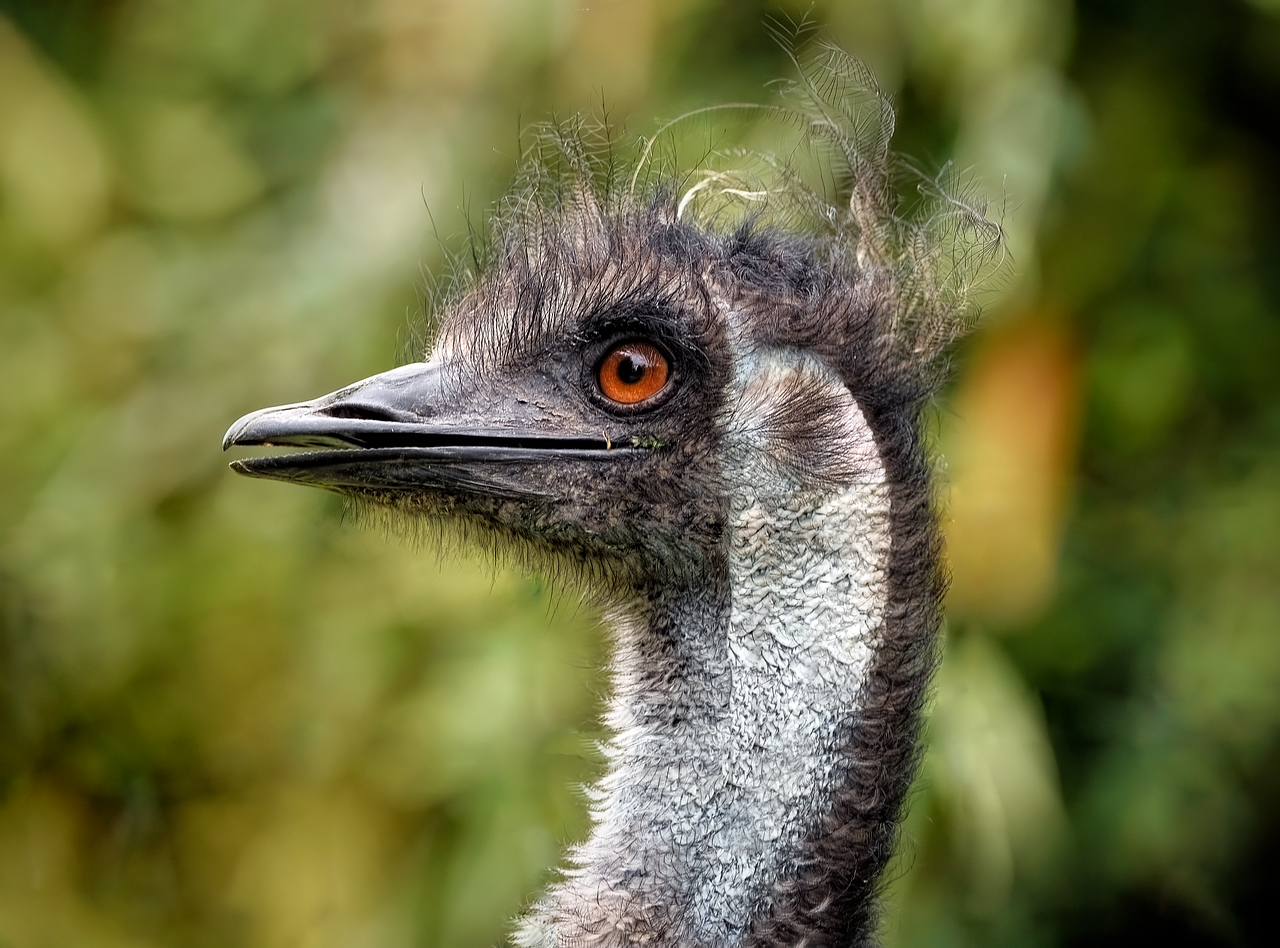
(231, 717)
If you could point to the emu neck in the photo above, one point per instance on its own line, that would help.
(731, 712)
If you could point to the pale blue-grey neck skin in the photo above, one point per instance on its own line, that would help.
(730, 704)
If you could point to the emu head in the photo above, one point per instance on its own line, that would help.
(635, 351)
(599, 396)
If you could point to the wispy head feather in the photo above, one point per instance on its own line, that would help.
(831, 182)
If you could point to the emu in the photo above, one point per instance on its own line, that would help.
(702, 396)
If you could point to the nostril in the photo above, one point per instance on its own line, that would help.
(361, 412)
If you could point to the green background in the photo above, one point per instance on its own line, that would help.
(229, 716)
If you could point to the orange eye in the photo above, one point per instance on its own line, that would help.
(632, 372)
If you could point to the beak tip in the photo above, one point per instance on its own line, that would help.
(234, 432)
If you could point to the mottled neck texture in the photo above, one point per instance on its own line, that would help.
(735, 715)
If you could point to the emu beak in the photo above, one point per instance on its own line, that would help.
(408, 429)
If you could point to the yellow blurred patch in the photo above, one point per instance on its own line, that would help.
(54, 175)
(185, 165)
(1012, 448)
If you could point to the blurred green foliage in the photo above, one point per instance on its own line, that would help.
(230, 717)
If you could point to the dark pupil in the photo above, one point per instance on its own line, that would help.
(631, 369)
